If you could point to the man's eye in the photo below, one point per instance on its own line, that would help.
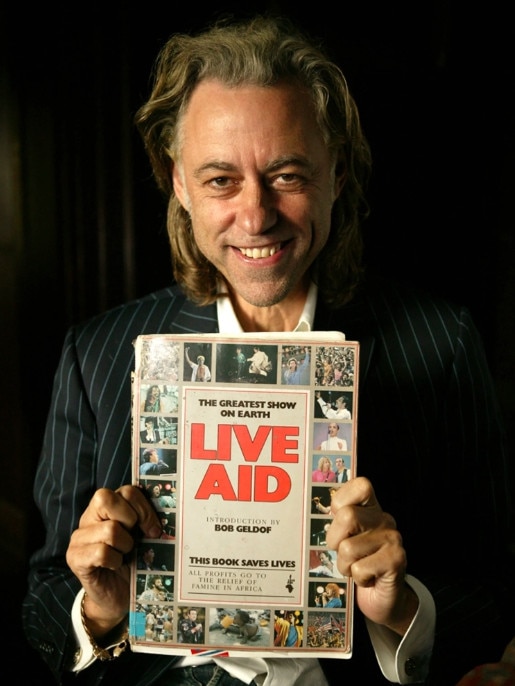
(220, 182)
(287, 180)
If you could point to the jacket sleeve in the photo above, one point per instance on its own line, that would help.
(431, 440)
(473, 581)
(64, 483)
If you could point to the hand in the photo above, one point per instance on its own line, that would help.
(370, 551)
(98, 549)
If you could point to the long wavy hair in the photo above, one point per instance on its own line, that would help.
(261, 51)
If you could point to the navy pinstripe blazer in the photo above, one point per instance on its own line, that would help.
(429, 438)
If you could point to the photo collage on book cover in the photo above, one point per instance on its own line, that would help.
(330, 371)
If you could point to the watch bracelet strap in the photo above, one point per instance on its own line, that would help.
(103, 654)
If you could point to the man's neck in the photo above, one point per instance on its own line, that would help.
(283, 316)
(275, 318)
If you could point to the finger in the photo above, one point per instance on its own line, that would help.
(352, 520)
(148, 519)
(105, 576)
(127, 505)
(96, 543)
(357, 491)
(375, 554)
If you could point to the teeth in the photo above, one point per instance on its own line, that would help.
(257, 253)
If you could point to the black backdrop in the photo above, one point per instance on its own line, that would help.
(433, 82)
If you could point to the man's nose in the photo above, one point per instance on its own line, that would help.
(256, 210)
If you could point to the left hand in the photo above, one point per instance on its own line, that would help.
(370, 550)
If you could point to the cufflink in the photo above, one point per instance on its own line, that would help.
(48, 648)
(410, 666)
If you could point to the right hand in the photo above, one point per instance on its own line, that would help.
(98, 552)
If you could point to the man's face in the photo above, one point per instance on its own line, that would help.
(258, 182)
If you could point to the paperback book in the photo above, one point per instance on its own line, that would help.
(240, 443)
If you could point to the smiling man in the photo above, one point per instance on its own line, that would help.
(256, 143)
(259, 184)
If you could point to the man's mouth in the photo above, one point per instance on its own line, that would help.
(259, 253)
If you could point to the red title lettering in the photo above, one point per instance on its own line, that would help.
(265, 483)
(282, 440)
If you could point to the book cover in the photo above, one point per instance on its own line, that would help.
(239, 443)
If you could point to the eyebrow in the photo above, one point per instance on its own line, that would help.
(283, 161)
(214, 165)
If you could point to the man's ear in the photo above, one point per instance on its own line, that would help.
(179, 188)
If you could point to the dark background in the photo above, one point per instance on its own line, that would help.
(82, 227)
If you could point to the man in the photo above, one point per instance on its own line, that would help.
(342, 473)
(146, 558)
(150, 434)
(152, 464)
(155, 591)
(320, 537)
(190, 628)
(199, 369)
(333, 441)
(296, 373)
(259, 362)
(257, 145)
(327, 566)
(162, 500)
(240, 359)
(339, 412)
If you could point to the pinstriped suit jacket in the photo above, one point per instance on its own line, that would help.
(429, 438)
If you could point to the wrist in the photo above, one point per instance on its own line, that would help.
(116, 637)
(94, 616)
(408, 606)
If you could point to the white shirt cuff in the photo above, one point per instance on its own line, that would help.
(405, 659)
(84, 655)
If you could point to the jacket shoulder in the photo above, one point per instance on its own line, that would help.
(163, 311)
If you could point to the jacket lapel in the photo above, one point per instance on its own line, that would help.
(352, 320)
(186, 317)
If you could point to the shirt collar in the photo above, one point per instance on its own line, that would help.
(228, 322)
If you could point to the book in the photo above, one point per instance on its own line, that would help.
(236, 441)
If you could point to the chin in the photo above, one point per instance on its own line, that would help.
(266, 294)
(264, 299)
